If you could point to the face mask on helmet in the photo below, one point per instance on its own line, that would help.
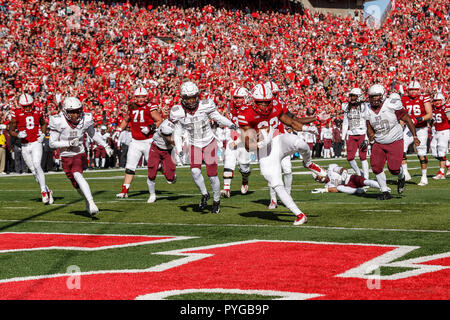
(413, 93)
(376, 101)
(74, 116)
(437, 103)
(141, 100)
(190, 102)
(263, 107)
(354, 99)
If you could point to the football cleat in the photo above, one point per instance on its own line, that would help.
(225, 193)
(244, 189)
(123, 193)
(204, 201)
(91, 208)
(215, 207)
(384, 196)
(407, 176)
(401, 185)
(316, 169)
(439, 176)
(45, 197)
(273, 204)
(152, 198)
(423, 181)
(301, 219)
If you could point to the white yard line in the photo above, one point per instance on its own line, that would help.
(227, 225)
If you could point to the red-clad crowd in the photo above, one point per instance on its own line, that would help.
(100, 52)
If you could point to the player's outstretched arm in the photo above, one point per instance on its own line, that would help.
(294, 122)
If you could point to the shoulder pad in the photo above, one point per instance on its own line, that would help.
(166, 127)
(176, 113)
(54, 122)
(88, 120)
(207, 105)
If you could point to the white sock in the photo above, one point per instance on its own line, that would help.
(424, 173)
(215, 185)
(103, 162)
(226, 183)
(288, 182)
(365, 168)
(151, 185)
(355, 167)
(381, 178)
(273, 194)
(198, 180)
(287, 200)
(97, 162)
(401, 175)
(84, 186)
(372, 183)
(405, 167)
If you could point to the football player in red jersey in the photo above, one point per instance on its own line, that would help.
(441, 134)
(236, 153)
(28, 124)
(262, 128)
(143, 119)
(420, 111)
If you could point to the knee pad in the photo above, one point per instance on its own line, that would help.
(228, 173)
(423, 161)
(128, 171)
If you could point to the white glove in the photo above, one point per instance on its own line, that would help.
(145, 130)
(344, 175)
(74, 142)
(22, 134)
(109, 151)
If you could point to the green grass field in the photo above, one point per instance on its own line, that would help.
(419, 217)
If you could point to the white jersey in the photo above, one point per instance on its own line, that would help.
(197, 125)
(326, 133)
(309, 133)
(166, 128)
(61, 133)
(385, 124)
(354, 123)
(336, 178)
(104, 136)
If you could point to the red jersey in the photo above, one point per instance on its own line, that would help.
(141, 117)
(249, 117)
(440, 118)
(416, 107)
(29, 122)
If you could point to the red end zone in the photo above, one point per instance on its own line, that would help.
(10, 242)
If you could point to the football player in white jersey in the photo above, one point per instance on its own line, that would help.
(339, 180)
(235, 152)
(354, 131)
(67, 130)
(386, 137)
(195, 116)
(100, 153)
(161, 157)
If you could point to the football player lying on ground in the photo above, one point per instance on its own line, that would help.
(339, 180)
(67, 130)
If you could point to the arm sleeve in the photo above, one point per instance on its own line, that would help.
(55, 134)
(177, 137)
(96, 136)
(216, 116)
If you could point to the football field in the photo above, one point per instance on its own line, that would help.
(353, 246)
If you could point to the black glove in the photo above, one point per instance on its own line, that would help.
(364, 145)
(152, 127)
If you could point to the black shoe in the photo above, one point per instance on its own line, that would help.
(215, 207)
(204, 201)
(401, 185)
(384, 196)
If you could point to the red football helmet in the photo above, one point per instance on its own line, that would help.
(262, 99)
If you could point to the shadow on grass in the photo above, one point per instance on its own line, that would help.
(268, 215)
(50, 210)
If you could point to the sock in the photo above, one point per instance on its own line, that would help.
(40, 178)
(288, 182)
(365, 168)
(273, 194)
(198, 180)
(286, 199)
(103, 162)
(381, 178)
(372, 183)
(401, 175)
(84, 186)
(226, 183)
(405, 167)
(442, 170)
(97, 162)
(424, 173)
(215, 185)
(126, 185)
(151, 185)
(355, 167)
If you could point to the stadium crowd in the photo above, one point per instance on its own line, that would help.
(101, 51)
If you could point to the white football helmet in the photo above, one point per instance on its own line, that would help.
(240, 97)
(377, 95)
(273, 86)
(190, 95)
(357, 93)
(438, 100)
(167, 128)
(414, 89)
(25, 100)
(72, 106)
(141, 95)
(103, 128)
(262, 99)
